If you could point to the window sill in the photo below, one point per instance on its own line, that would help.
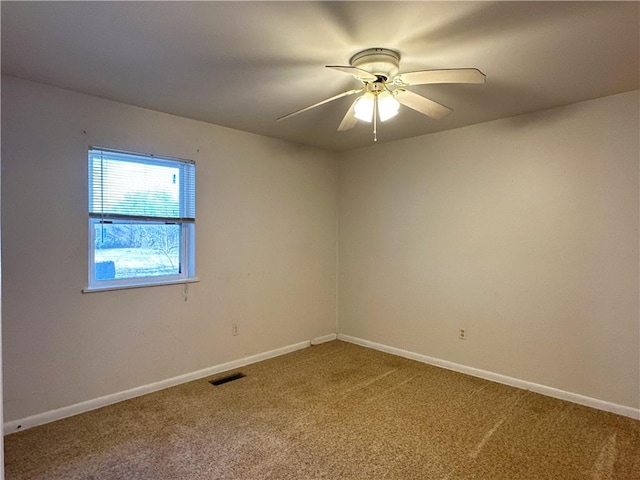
(139, 285)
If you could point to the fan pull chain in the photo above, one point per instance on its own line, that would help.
(375, 118)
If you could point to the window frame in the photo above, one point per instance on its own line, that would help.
(187, 250)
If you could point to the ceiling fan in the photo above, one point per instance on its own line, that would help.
(383, 88)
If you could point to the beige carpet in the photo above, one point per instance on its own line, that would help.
(333, 411)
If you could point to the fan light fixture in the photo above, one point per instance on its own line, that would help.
(363, 109)
(374, 104)
(383, 88)
(387, 106)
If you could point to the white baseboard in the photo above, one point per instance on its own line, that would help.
(496, 377)
(324, 339)
(82, 407)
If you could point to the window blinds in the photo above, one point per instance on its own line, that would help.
(133, 186)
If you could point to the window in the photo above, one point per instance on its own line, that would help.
(141, 219)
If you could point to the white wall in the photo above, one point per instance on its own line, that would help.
(266, 248)
(523, 230)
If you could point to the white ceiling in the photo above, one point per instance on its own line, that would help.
(244, 64)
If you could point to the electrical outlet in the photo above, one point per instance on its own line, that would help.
(234, 329)
(462, 334)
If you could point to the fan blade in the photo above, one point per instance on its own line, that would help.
(355, 71)
(349, 121)
(454, 75)
(335, 97)
(421, 104)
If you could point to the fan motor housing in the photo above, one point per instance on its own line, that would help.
(378, 61)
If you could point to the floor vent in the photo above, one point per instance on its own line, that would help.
(230, 378)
